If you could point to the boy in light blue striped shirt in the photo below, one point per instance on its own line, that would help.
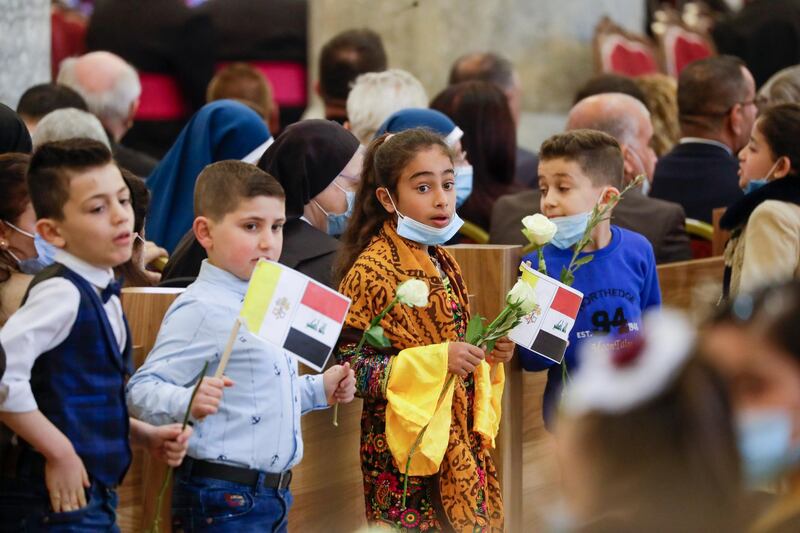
(238, 468)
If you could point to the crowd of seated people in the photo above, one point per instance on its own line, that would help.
(184, 166)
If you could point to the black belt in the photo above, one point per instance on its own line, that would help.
(234, 474)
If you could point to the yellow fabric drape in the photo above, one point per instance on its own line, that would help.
(414, 394)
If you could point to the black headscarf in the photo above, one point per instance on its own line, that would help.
(14, 136)
(305, 158)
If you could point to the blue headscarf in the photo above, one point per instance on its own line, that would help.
(220, 130)
(405, 119)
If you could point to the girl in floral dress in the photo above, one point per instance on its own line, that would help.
(405, 209)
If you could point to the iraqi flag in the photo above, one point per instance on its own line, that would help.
(291, 310)
(546, 329)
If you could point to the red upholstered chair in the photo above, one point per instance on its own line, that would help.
(620, 52)
(679, 44)
(67, 36)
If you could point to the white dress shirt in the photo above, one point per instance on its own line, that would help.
(44, 322)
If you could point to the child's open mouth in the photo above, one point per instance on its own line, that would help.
(440, 221)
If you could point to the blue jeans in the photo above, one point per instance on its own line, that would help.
(211, 505)
(25, 507)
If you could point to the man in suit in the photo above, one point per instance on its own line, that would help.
(627, 120)
(111, 89)
(716, 109)
(490, 67)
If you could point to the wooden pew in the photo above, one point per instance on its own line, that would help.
(489, 272)
(144, 308)
(691, 285)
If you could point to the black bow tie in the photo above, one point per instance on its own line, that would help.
(113, 289)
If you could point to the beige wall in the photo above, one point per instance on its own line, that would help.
(548, 40)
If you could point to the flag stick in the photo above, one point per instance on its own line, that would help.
(223, 362)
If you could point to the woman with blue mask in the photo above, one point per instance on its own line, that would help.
(753, 340)
(224, 129)
(765, 224)
(18, 252)
(318, 164)
(440, 123)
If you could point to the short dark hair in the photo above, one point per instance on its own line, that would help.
(345, 57)
(708, 89)
(41, 99)
(597, 153)
(245, 83)
(51, 169)
(221, 186)
(780, 126)
(610, 83)
(483, 66)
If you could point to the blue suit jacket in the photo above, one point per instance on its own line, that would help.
(700, 177)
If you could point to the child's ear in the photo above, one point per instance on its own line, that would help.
(783, 167)
(386, 201)
(608, 194)
(50, 231)
(202, 231)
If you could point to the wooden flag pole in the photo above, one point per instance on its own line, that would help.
(223, 362)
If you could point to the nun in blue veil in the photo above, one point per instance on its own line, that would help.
(221, 130)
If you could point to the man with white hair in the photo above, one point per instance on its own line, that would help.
(375, 96)
(627, 120)
(68, 123)
(111, 89)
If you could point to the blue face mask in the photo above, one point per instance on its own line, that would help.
(410, 229)
(338, 222)
(45, 253)
(755, 184)
(765, 444)
(463, 184)
(569, 230)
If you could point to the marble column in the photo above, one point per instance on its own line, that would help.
(24, 47)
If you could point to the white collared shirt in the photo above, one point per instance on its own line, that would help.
(44, 322)
(700, 140)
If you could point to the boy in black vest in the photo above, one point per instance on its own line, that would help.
(69, 350)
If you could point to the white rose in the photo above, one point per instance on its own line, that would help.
(538, 229)
(523, 295)
(413, 292)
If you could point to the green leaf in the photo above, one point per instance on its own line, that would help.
(567, 277)
(489, 347)
(475, 329)
(583, 260)
(376, 338)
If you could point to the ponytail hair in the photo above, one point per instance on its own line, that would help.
(384, 162)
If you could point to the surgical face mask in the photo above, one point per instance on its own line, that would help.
(410, 229)
(754, 185)
(765, 444)
(463, 184)
(338, 222)
(45, 252)
(569, 230)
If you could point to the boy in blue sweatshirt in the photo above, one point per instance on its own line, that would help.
(578, 170)
(69, 355)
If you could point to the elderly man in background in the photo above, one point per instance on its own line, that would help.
(626, 119)
(110, 86)
(68, 123)
(375, 96)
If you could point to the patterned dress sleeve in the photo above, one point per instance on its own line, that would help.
(371, 367)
